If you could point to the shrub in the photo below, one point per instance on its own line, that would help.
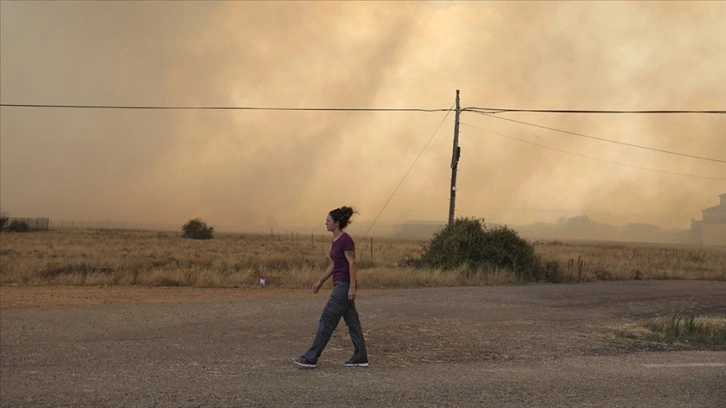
(19, 226)
(3, 220)
(197, 229)
(468, 242)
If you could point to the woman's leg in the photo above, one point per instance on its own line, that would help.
(333, 311)
(356, 333)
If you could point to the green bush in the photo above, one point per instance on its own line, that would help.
(197, 229)
(686, 327)
(469, 243)
(18, 226)
(3, 221)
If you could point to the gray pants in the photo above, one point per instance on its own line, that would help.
(338, 306)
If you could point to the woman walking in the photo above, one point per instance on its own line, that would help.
(342, 268)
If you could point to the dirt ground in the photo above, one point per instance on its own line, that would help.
(510, 346)
(54, 297)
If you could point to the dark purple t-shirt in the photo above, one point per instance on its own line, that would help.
(341, 268)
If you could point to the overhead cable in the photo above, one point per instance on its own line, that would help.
(409, 170)
(506, 110)
(605, 140)
(594, 158)
(332, 109)
(249, 108)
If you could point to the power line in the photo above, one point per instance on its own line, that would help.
(248, 108)
(604, 140)
(505, 110)
(329, 109)
(595, 158)
(409, 169)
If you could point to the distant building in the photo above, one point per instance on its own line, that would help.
(712, 229)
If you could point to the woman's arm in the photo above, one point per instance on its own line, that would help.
(326, 275)
(350, 256)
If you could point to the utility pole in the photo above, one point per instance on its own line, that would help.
(454, 162)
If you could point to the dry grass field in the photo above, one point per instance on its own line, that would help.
(155, 258)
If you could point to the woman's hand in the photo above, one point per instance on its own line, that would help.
(316, 286)
(351, 293)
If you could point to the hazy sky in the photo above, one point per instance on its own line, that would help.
(250, 170)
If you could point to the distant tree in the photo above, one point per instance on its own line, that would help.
(4, 218)
(19, 226)
(197, 229)
(580, 221)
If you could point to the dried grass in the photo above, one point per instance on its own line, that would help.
(124, 257)
(588, 261)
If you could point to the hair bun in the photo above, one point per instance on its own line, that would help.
(347, 211)
(342, 215)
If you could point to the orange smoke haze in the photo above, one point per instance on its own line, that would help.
(256, 170)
